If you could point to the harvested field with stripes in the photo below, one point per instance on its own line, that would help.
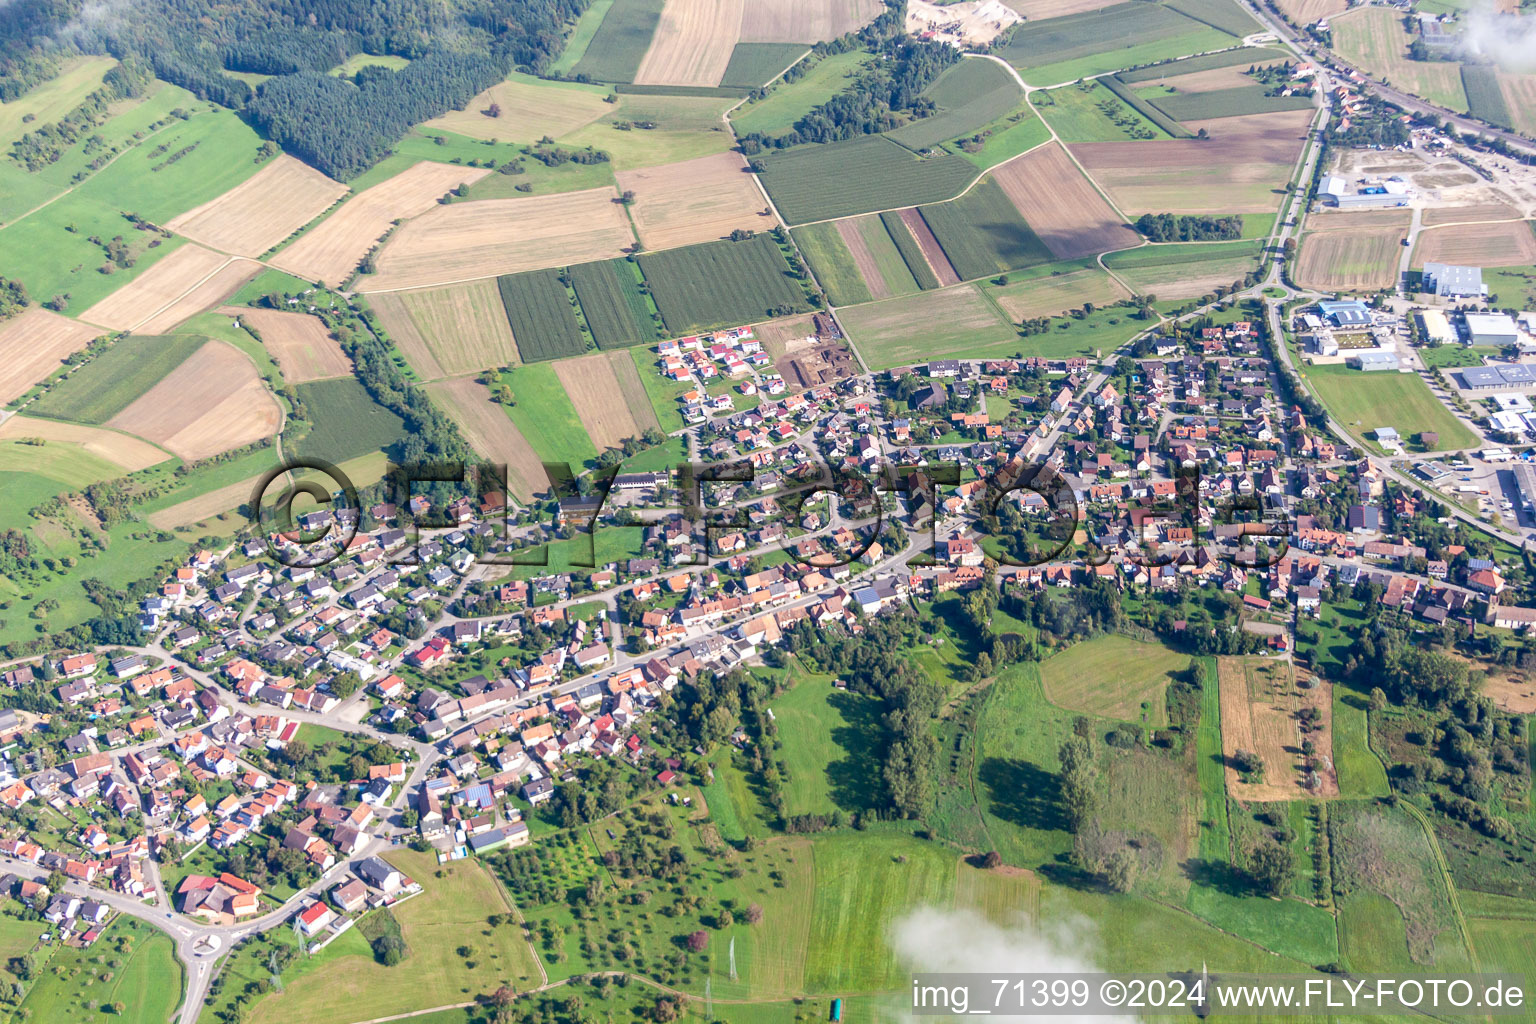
(856, 238)
(300, 343)
(1305, 12)
(1062, 206)
(1499, 244)
(125, 450)
(332, 249)
(204, 506)
(490, 432)
(932, 251)
(33, 345)
(804, 21)
(1039, 10)
(1241, 168)
(263, 210)
(155, 289)
(695, 201)
(217, 287)
(605, 388)
(1259, 704)
(466, 241)
(1355, 259)
(213, 402)
(693, 43)
(449, 331)
(1467, 214)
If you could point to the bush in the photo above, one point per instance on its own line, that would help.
(388, 950)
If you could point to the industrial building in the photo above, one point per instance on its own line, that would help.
(1436, 326)
(1346, 313)
(1392, 192)
(1525, 483)
(1449, 281)
(1496, 377)
(1372, 360)
(1491, 329)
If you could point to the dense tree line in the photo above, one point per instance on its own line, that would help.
(13, 298)
(45, 144)
(1168, 227)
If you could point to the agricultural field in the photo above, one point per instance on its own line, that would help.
(831, 258)
(1040, 10)
(804, 21)
(538, 307)
(787, 102)
(875, 253)
(492, 237)
(721, 283)
(1260, 701)
(1066, 212)
(606, 392)
(1374, 40)
(929, 251)
(545, 415)
(1308, 12)
(300, 343)
(1520, 98)
(929, 325)
(330, 251)
(864, 175)
(449, 914)
(1243, 168)
(1505, 244)
(1358, 258)
(489, 431)
(906, 246)
(1026, 296)
(212, 290)
(144, 976)
(33, 345)
(692, 44)
(449, 331)
(212, 402)
(970, 95)
(1364, 401)
(109, 383)
(754, 64)
(156, 288)
(526, 109)
(1234, 102)
(1183, 271)
(345, 422)
(620, 43)
(982, 233)
(1090, 112)
(644, 130)
(1114, 677)
(695, 201)
(261, 211)
(617, 311)
(123, 450)
(1080, 45)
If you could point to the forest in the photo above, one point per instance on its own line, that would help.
(1168, 227)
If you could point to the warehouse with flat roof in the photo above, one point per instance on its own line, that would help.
(1372, 361)
(1449, 281)
(1491, 329)
(1496, 377)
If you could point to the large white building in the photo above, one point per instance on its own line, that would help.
(1491, 329)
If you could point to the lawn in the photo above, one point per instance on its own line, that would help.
(787, 102)
(1015, 771)
(345, 422)
(1113, 676)
(112, 381)
(450, 914)
(613, 544)
(1019, 134)
(1360, 771)
(545, 416)
(952, 322)
(1372, 938)
(829, 738)
(1364, 401)
(1449, 356)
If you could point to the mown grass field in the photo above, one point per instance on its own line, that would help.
(1113, 676)
(983, 234)
(1246, 99)
(346, 421)
(616, 47)
(718, 284)
(1365, 401)
(539, 310)
(545, 416)
(840, 179)
(827, 253)
(929, 325)
(77, 984)
(827, 735)
(115, 379)
(1089, 112)
(1360, 771)
(1185, 270)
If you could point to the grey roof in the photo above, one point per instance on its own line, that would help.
(1450, 279)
